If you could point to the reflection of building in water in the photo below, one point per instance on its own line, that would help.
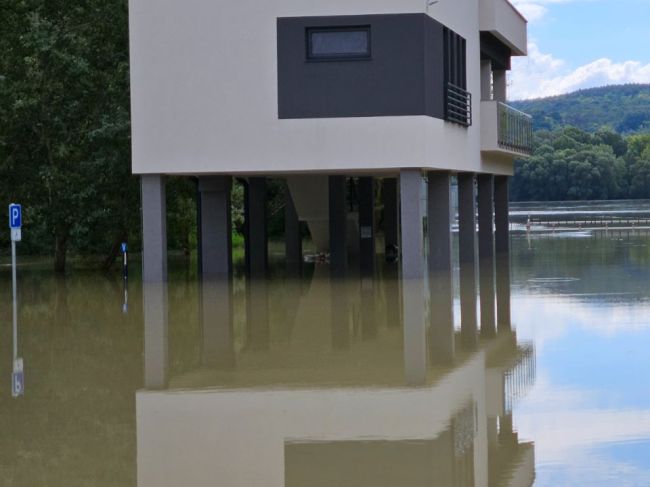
(307, 407)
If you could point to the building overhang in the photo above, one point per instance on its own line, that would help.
(501, 19)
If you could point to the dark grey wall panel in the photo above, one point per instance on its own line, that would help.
(403, 76)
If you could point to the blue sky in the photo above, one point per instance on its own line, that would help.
(576, 44)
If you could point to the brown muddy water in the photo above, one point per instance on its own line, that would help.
(309, 386)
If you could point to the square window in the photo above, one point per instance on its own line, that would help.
(337, 43)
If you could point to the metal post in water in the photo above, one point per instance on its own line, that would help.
(17, 376)
(15, 297)
(125, 260)
(125, 273)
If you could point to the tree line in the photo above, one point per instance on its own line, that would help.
(571, 164)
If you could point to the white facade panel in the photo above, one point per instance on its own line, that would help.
(503, 20)
(205, 94)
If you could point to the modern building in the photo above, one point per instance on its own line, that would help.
(407, 92)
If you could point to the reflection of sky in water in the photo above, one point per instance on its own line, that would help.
(589, 411)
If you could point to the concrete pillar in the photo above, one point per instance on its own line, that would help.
(412, 264)
(502, 247)
(154, 280)
(367, 226)
(292, 235)
(256, 228)
(338, 216)
(441, 336)
(216, 227)
(486, 253)
(486, 80)
(156, 330)
(467, 257)
(411, 241)
(499, 86)
(216, 270)
(154, 228)
(257, 262)
(391, 217)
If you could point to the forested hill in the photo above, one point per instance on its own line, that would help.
(623, 108)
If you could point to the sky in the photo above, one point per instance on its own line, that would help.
(575, 44)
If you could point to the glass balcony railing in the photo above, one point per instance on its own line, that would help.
(515, 129)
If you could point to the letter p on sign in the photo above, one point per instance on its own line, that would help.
(15, 216)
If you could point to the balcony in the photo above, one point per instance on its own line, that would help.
(505, 130)
(504, 21)
(458, 105)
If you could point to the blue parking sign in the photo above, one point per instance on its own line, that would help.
(15, 216)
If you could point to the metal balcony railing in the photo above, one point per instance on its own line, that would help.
(515, 129)
(458, 105)
(521, 376)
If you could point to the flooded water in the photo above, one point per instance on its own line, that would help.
(315, 383)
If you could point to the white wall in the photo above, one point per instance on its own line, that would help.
(204, 94)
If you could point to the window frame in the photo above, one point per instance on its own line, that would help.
(311, 57)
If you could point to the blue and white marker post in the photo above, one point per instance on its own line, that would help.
(15, 225)
(125, 265)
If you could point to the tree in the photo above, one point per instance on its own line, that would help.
(65, 147)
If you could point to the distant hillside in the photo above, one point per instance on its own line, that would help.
(625, 108)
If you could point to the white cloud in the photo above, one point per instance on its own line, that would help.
(535, 10)
(542, 74)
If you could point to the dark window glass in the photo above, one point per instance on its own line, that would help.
(455, 49)
(338, 43)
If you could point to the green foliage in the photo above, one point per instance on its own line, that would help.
(625, 108)
(571, 164)
(64, 145)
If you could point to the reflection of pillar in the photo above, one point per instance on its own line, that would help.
(412, 250)
(486, 253)
(502, 246)
(391, 216)
(339, 314)
(390, 279)
(216, 322)
(154, 278)
(367, 225)
(292, 236)
(441, 344)
(507, 435)
(368, 308)
(258, 314)
(467, 256)
(216, 271)
(338, 226)
(156, 348)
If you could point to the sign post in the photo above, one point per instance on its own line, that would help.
(125, 259)
(125, 265)
(15, 225)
